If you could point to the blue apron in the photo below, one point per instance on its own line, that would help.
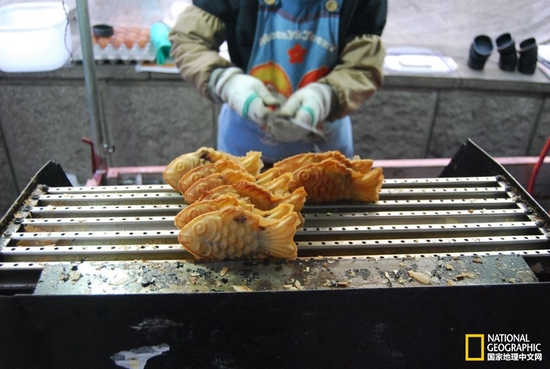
(296, 43)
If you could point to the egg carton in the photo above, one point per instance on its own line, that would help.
(124, 54)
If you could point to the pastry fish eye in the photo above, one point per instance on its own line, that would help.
(200, 228)
(194, 213)
(304, 176)
(180, 166)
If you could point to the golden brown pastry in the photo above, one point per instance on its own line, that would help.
(330, 181)
(235, 233)
(258, 196)
(205, 206)
(184, 163)
(203, 185)
(203, 171)
(296, 162)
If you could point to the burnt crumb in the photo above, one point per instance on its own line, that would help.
(248, 275)
(240, 219)
(363, 273)
(147, 278)
(335, 283)
(204, 273)
(387, 274)
(224, 280)
(147, 283)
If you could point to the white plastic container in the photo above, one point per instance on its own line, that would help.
(34, 37)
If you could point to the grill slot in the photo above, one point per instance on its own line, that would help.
(419, 231)
(132, 223)
(352, 218)
(418, 205)
(421, 216)
(439, 246)
(101, 211)
(110, 199)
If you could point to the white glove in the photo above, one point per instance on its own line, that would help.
(245, 94)
(310, 104)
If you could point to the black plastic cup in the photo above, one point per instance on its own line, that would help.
(480, 50)
(506, 47)
(528, 52)
(102, 30)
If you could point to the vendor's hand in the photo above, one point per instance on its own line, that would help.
(310, 104)
(245, 94)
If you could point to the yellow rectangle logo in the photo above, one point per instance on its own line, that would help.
(475, 347)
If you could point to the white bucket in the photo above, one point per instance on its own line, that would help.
(34, 37)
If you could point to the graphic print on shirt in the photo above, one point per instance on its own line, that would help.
(295, 43)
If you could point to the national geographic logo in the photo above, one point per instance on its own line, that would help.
(475, 347)
(502, 347)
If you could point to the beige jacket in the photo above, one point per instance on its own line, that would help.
(197, 36)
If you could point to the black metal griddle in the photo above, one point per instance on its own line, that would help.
(434, 259)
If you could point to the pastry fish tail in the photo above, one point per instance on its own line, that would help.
(279, 237)
(252, 162)
(297, 198)
(366, 187)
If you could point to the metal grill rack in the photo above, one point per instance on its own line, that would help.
(465, 215)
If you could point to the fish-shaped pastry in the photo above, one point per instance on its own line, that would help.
(235, 233)
(203, 171)
(258, 196)
(203, 185)
(173, 172)
(222, 172)
(268, 175)
(298, 161)
(330, 181)
(279, 185)
(205, 206)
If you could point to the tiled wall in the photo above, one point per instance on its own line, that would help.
(411, 123)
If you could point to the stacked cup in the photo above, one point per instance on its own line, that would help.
(482, 46)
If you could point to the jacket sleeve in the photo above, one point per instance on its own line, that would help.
(357, 76)
(196, 38)
(359, 72)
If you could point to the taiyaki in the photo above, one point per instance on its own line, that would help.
(268, 175)
(203, 171)
(205, 206)
(228, 176)
(184, 163)
(234, 233)
(330, 181)
(279, 185)
(298, 161)
(258, 196)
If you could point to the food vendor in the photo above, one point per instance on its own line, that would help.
(297, 69)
